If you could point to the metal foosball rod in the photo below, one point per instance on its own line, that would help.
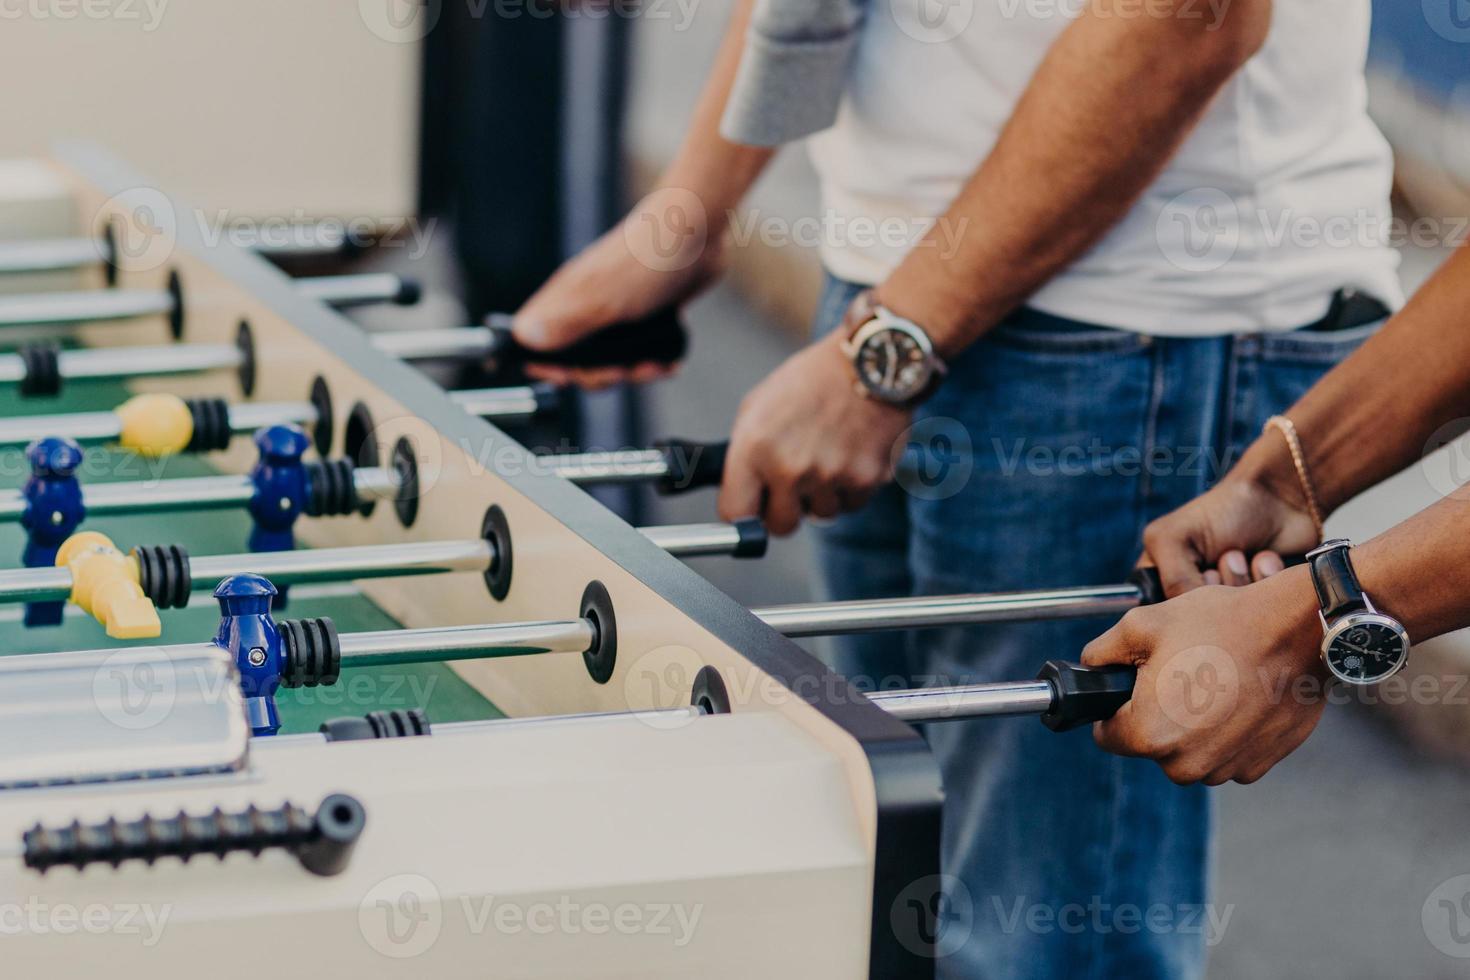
(310, 652)
(207, 424)
(64, 254)
(168, 574)
(41, 369)
(105, 305)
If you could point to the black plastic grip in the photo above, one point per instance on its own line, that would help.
(397, 723)
(1151, 588)
(691, 465)
(1082, 695)
(312, 652)
(164, 574)
(42, 363)
(322, 843)
(753, 538)
(659, 338)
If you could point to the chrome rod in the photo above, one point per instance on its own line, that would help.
(967, 701)
(98, 305)
(389, 647)
(336, 564)
(84, 427)
(52, 255)
(115, 363)
(629, 466)
(424, 345)
(696, 540)
(520, 402)
(131, 362)
(101, 427)
(870, 615)
(357, 290)
(190, 494)
(57, 254)
(83, 307)
(356, 562)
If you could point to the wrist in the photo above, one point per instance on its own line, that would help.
(1296, 613)
(929, 298)
(1267, 466)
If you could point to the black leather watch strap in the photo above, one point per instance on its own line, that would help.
(1338, 591)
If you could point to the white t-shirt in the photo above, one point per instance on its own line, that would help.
(1276, 200)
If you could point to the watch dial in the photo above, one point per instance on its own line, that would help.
(893, 365)
(1366, 653)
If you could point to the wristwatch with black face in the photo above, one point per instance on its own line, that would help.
(893, 358)
(1360, 645)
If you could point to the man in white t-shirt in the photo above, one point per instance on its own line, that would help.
(1078, 253)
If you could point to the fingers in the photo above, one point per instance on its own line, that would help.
(1233, 568)
(1177, 559)
(742, 492)
(1265, 564)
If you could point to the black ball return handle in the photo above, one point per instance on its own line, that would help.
(1082, 695)
(659, 338)
(323, 843)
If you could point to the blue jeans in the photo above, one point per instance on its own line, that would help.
(1049, 447)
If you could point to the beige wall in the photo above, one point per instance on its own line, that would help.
(264, 107)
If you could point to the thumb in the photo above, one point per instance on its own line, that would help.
(550, 321)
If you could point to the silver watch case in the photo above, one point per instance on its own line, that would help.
(885, 320)
(1371, 615)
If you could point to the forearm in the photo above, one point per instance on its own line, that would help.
(1375, 413)
(714, 169)
(1111, 103)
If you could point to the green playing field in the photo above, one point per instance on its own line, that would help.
(432, 687)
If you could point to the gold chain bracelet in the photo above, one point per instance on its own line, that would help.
(1299, 460)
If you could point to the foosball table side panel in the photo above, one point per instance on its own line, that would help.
(670, 622)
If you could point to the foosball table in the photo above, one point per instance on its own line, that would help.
(495, 731)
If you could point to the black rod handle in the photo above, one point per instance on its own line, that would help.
(691, 465)
(659, 338)
(1082, 695)
(322, 843)
(1151, 589)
